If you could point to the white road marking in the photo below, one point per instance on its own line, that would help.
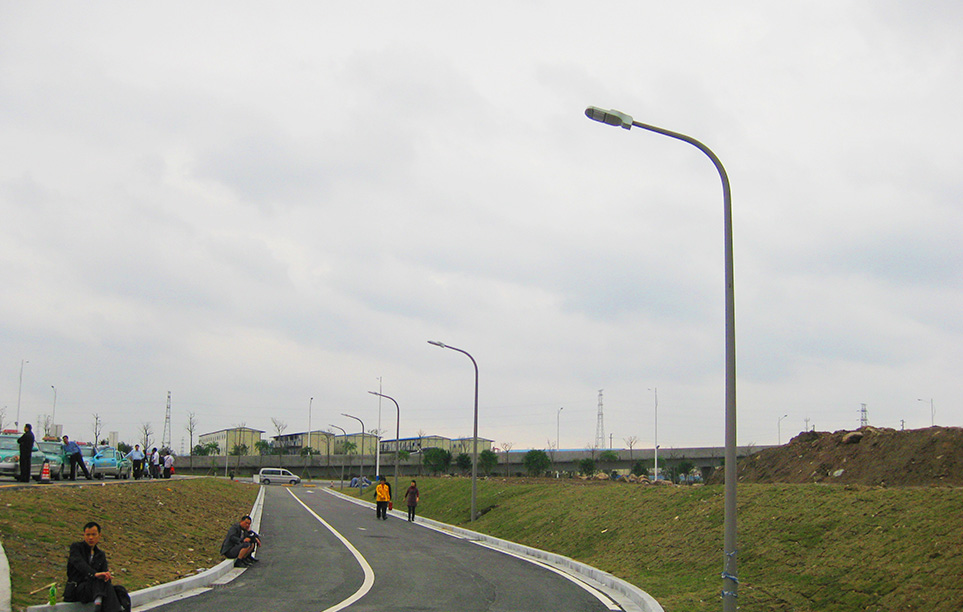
(368, 572)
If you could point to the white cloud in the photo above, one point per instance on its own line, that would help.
(255, 206)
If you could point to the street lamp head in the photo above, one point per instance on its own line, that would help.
(438, 344)
(609, 117)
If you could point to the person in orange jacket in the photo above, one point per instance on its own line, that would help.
(382, 497)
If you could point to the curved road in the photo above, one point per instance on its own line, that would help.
(370, 565)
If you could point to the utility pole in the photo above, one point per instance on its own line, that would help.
(863, 416)
(600, 426)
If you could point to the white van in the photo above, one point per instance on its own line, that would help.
(279, 475)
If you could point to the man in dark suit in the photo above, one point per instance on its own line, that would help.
(88, 577)
(26, 442)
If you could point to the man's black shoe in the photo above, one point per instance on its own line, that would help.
(253, 560)
(241, 563)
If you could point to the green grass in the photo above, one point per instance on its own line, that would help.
(801, 547)
(154, 532)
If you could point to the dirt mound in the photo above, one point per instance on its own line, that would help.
(867, 456)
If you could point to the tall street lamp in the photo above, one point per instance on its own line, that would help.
(310, 441)
(397, 433)
(53, 416)
(19, 393)
(342, 456)
(558, 421)
(932, 412)
(361, 453)
(729, 574)
(474, 452)
(779, 427)
(655, 442)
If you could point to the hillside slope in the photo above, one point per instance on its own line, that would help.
(867, 456)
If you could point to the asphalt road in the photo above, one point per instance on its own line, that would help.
(378, 565)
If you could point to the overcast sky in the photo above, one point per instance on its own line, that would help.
(254, 204)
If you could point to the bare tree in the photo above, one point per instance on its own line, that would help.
(631, 441)
(146, 434)
(45, 422)
(3, 416)
(191, 427)
(506, 446)
(98, 428)
(279, 427)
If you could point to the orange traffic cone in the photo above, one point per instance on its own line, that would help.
(45, 473)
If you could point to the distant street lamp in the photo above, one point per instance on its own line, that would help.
(558, 420)
(932, 412)
(397, 434)
(656, 435)
(53, 416)
(729, 574)
(342, 454)
(19, 393)
(779, 427)
(310, 441)
(361, 452)
(474, 453)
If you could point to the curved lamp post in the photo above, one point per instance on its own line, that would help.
(342, 458)
(474, 445)
(729, 574)
(361, 453)
(397, 433)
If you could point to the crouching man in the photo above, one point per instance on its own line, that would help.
(88, 577)
(241, 543)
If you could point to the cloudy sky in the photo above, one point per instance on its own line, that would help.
(250, 205)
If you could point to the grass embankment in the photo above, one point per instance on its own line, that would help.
(154, 532)
(802, 548)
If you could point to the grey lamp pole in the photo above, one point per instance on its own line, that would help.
(53, 417)
(397, 434)
(558, 421)
(779, 427)
(20, 392)
(342, 458)
(729, 574)
(932, 412)
(474, 453)
(361, 453)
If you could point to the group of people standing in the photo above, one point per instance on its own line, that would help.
(158, 466)
(70, 449)
(383, 499)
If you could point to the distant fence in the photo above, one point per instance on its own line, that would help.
(511, 463)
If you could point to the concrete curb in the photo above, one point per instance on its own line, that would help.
(613, 585)
(161, 591)
(4, 581)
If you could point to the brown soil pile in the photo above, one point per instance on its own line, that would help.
(868, 456)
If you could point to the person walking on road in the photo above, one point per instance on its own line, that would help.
(241, 543)
(411, 499)
(26, 442)
(72, 450)
(382, 497)
(136, 457)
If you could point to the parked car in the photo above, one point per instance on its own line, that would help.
(268, 475)
(110, 462)
(53, 450)
(10, 457)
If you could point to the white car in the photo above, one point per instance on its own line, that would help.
(278, 475)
